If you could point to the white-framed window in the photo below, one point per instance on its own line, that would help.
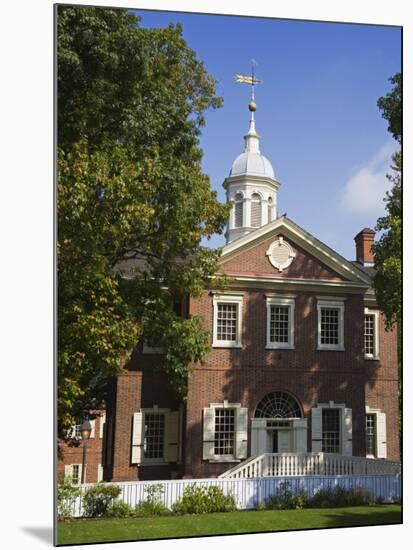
(332, 428)
(74, 472)
(376, 437)
(255, 210)
(155, 436)
(225, 432)
(227, 320)
(371, 334)
(330, 331)
(280, 321)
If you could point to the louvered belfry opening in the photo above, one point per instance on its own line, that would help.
(238, 210)
(255, 210)
(278, 405)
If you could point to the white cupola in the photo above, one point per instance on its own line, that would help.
(251, 186)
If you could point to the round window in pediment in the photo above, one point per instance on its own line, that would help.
(280, 254)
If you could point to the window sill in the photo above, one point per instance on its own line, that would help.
(155, 463)
(371, 358)
(338, 348)
(272, 346)
(226, 345)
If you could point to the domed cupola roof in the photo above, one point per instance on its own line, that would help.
(251, 162)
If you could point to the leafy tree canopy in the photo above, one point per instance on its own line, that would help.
(133, 203)
(387, 281)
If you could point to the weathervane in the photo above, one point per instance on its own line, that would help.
(243, 79)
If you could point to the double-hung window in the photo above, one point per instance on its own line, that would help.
(280, 322)
(227, 320)
(331, 430)
(154, 434)
(371, 336)
(224, 441)
(330, 324)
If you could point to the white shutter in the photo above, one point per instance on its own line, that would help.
(68, 470)
(100, 472)
(347, 433)
(241, 436)
(92, 433)
(172, 434)
(137, 438)
(208, 443)
(381, 435)
(102, 422)
(316, 430)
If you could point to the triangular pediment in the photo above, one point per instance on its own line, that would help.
(283, 250)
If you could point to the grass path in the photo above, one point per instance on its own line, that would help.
(101, 530)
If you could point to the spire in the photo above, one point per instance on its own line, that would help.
(252, 139)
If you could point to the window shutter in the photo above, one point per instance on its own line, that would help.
(241, 436)
(300, 432)
(100, 472)
(102, 423)
(92, 433)
(172, 434)
(68, 470)
(347, 433)
(137, 438)
(381, 435)
(208, 444)
(316, 430)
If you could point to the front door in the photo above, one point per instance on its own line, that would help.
(275, 441)
(279, 441)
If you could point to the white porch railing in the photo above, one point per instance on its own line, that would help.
(302, 464)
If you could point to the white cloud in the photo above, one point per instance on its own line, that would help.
(363, 192)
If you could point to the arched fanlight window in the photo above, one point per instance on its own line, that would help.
(255, 210)
(269, 209)
(238, 210)
(278, 404)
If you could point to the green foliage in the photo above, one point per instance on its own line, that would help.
(120, 509)
(286, 499)
(131, 198)
(391, 107)
(387, 281)
(202, 500)
(338, 497)
(66, 497)
(152, 505)
(98, 498)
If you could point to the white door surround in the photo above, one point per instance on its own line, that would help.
(285, 435)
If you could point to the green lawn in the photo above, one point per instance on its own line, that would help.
(102, 530)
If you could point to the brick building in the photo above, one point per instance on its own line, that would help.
(300, 360)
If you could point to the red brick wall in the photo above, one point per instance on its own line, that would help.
(246, 375)
(72, 453)
(382, 386)
(254, 261)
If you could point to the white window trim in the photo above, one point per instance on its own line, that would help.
(288, 301)
(154, 461)
(232, 457)
(375, 356)
(334, 303)
(227, 299)
(148, 350)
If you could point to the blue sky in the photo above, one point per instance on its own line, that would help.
(317, 113)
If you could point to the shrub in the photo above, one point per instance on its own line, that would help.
(153, 505)
(120, 509)
(340, 497)
(286, 500)
(97, 499)
(201, 500)
(66, 497)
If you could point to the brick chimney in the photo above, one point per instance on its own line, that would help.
(364, 241)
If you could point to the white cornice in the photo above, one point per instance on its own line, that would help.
(305, 240)
(346, 287)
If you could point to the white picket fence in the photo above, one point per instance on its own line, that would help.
(250, 491)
